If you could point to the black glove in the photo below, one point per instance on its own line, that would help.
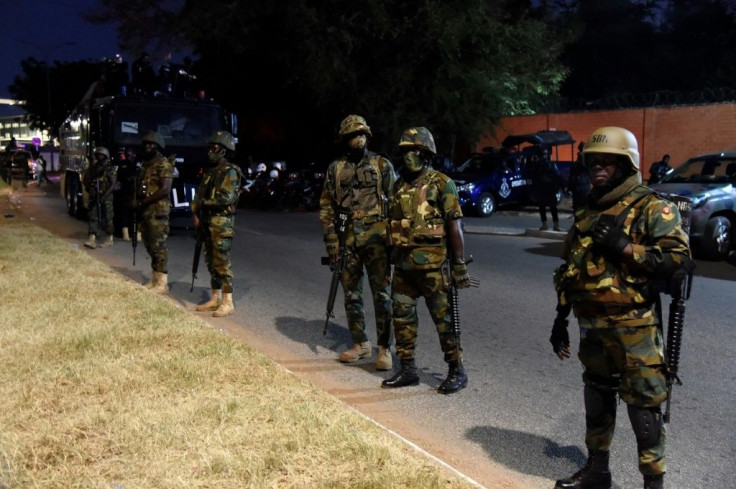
(560, 339)
(609, 236)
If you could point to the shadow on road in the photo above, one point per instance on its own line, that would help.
(528, 454)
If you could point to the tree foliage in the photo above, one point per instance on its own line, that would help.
(52, 90)
(454, 66)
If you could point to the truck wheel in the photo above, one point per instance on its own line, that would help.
(486, 204)
(716, 239)
(70, 197)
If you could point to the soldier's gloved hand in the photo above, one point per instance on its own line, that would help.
(332, 247)
(560, 339)
(460, 275)
(609, 236)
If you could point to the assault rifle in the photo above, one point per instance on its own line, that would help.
(199, 236)
(454, 303)
(336, 267)
(98, 201)
(134, 226)
(678, 287)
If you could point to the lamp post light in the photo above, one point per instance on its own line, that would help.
(47, 50)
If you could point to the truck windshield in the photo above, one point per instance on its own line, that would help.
(180, 125)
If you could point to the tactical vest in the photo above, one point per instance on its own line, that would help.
(359, 188)
(592, 277)
(417, 228)
(152, 172)
(104, 174)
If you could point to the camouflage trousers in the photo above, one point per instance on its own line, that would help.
(408, 286)
(628, 361)
(155, 231)
(217, 244)
(373, 258)
(106, 210)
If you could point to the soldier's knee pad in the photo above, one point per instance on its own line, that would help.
(647, 425)
(600, 405)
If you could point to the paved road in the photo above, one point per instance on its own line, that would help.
(519, 423)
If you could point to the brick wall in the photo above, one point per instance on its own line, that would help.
(680, 131)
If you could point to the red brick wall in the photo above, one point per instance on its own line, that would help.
(680, 131)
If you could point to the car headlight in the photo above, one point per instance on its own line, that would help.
(468, 187)
(699, 200)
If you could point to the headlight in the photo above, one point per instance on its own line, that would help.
(468, 187)
(699, 200)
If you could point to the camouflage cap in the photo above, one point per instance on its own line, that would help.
(224, 139)
(354, 123)
(419, 137)
(101, 150)
(155, 138)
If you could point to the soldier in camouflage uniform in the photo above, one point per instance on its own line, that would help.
(425, 227)
(213, 212)
(624, 239)
(360, 182)
(101, 173)
(154, 205)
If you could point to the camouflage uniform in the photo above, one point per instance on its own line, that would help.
(106, 174)
(621, 341)
(419, 212)
(362, 189)
(216, 202)
(154, 222)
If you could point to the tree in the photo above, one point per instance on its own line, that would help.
(454, 66)
(51, 91)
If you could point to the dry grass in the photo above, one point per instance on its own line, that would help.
(105, 385)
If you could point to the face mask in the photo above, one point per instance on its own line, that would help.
(214, 157)
(412, 162)
(357, 141)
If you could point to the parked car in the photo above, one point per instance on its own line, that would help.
(18, 164)
(491, 179)
(709, 180)
(500, 177)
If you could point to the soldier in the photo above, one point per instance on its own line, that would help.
(425, 218)
(213, 213)
(624, 239)
(154, 206)
(102, 176)
(360, 182)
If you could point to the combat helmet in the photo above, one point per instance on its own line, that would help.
(155, 138)
(614, 140)
(354, 123)
(101, 150)
(224, 139)
(418, 137)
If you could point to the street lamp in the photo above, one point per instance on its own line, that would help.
(47, 50)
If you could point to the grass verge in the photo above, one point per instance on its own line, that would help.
(106, 385)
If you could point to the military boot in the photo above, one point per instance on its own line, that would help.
(406, 376)
(152, 283)
(654, 481)
(160, 283)
(126, 234)
(456, 379)
(358, 351)
(557, 227)
(91, 242)
(595, 474)
(383, 359)
(226, 307)
(211, 304)
(107, 242)
(543, 227)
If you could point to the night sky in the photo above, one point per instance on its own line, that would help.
(45, 30)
